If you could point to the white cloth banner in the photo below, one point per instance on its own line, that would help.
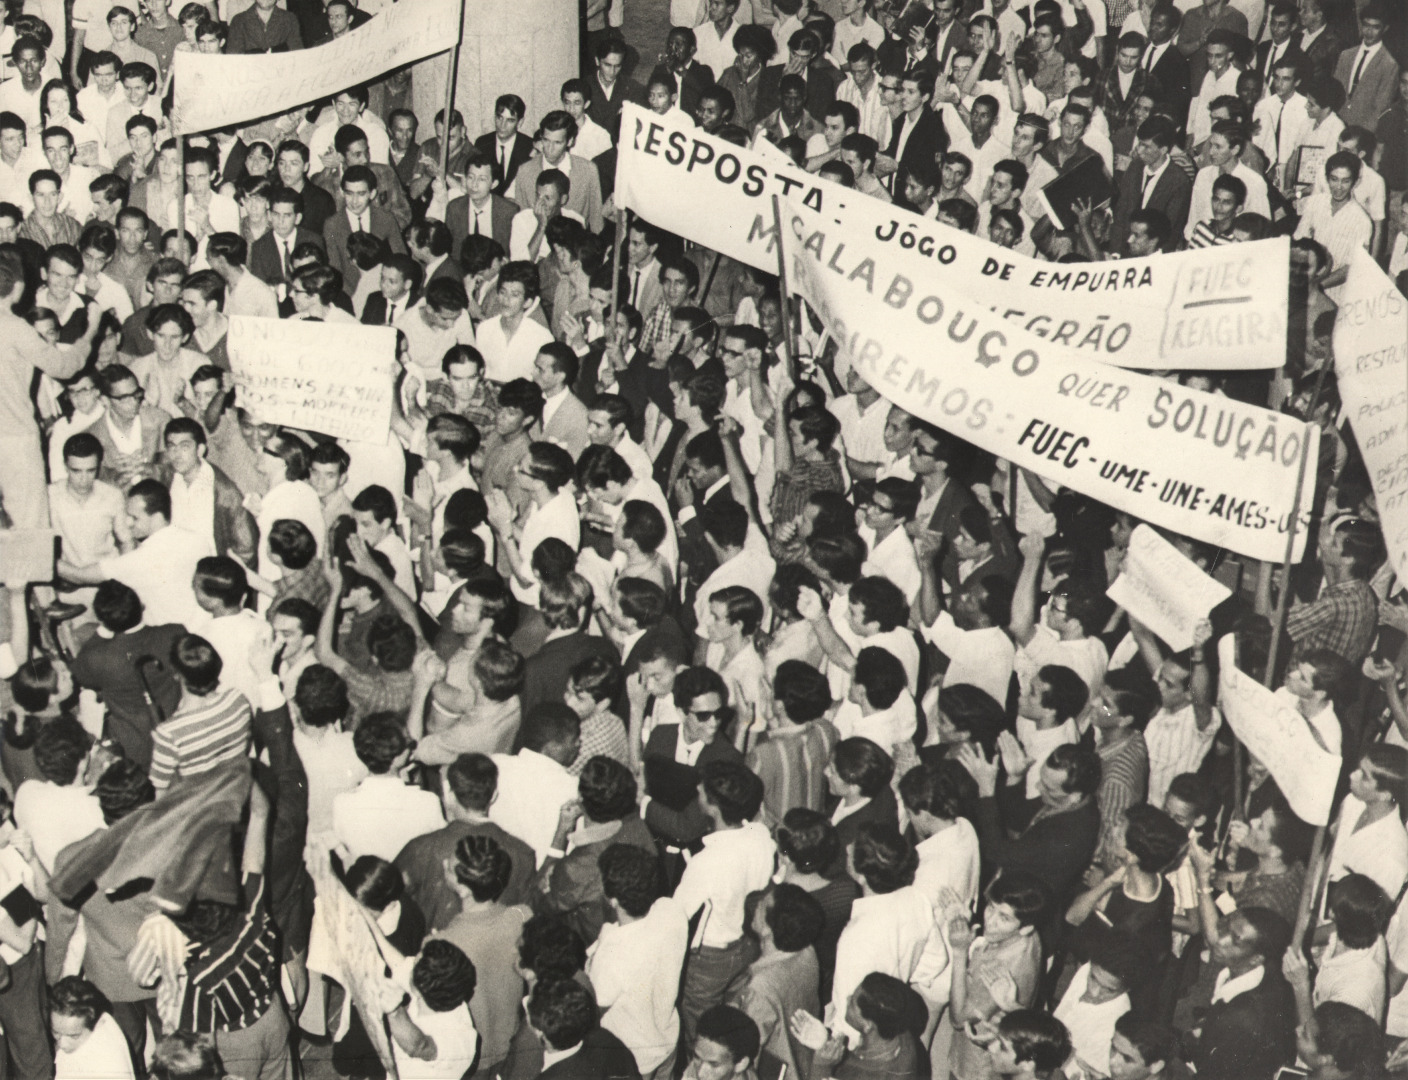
(1164, 589)
(1280, 737)
(214, 91)
(1202, 465)
(1214, 308)
(335, 378)
(1371, 367)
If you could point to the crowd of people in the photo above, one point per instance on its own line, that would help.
(657, 699)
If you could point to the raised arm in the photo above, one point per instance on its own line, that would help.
(365, 565)
(1024, 595)
(325, 647)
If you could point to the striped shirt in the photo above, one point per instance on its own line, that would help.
(1124, 779)
(793, 768)
(1176, 745)
(212, 731)
(1204, 237)
(233, 979)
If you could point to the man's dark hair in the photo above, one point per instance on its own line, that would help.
(482, 866)
(733, 1029)
(884, 858)
(473, 779)
(881, 675)
(60, 746)
(734, 788)
(379, 740)
(197, 663)
(796, 918)
(1081, 766)
(321, 696)
(882, 602)
(630, 876)
(443, 975)
(607, 789)
(563, 1011)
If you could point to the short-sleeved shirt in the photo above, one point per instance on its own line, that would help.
(160, 571)
(88, 528)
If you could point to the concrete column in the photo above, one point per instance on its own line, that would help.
(523, 47)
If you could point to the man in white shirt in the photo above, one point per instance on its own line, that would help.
(90, 515)
(1280, 119)
(862, 413)
(1224, 152)
(527, 238)
(545, 473)
(862, 89)
(161, 569)
(1220, 81)
(242, 639)
(890, 509)
(592, 138)
(383, 813)
(879, 706)
(1065, 637)
(634, 965)
(738, 858)
(509, 342)
(973, 634)
(77, 201)
(350, 107)
(375, 511)
(715, 36)
(227, 253)
(1334, 219)
(58, 809)
(534, 783)
(726, 526)
(101, 94)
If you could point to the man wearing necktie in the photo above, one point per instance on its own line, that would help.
(1367, 71)
(361, 214)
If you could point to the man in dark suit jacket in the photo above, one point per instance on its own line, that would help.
(691, 78)
(359, 191)
(609, 90)
(506, 134)
(563, 1015)
(1170, 72)
(699, 739)
(1252, 1032)
(379, 310)
(919, 129)
(1280, 42)
(266, 255)
(263, 28)
(1324, 49)
(566, 607)
(1169, 190)
(479, 180)
(1367, 71)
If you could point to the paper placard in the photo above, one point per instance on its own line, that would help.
(27, 554)
(1280, 738)
(1202, 465)
(1371, 367)
(333, 378)
(1164, 589)
(1311, 169)
(1211, 308)
(213, 90)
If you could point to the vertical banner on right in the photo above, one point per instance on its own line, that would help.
(1371, 368)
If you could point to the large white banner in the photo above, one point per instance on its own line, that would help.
(1215, 308)
(1164, 589)
(335, 378)
(1371, 367)
(213, 90)
(1200, 464)
(1280, 737)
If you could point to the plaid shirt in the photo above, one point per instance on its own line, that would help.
(440, 398)
(375, 691)
(1343, 619)
(66, 231)
(793, 488)
(657, 328)
(306, 584)
(604, 736)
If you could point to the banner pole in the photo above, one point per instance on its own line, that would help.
(787, 335)
(623, 228)
(181, 197)
(450, 105)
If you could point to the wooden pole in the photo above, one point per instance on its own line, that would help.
(181, 195)
(787, 336)
(449, 100)
(623, 228)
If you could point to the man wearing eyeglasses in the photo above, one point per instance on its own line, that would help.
(131, 431)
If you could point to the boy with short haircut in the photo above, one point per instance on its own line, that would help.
(209, 729)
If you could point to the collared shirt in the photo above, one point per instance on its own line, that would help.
(715, 50)
(752, 568)
(332, 767)
(506, 357)
(1176, 745)
(1151, 181)
(382, 815)
(1342, 231)
(160, 570)
(1362, 56)
(732, 864)
(982, 658)
(532, 789)
(558, 518)
(634, 969)
(193, 502)
(862, 429)
(892, 558)
(89, 529)
(1225, 987)
(1343, 618)
(887, 933)
(874, 117)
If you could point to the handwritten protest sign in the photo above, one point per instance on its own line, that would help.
(213, 90)
(27, 554)
(1371, 366)
(1164, 589)
(336, 378)
(1280, 737)
(1206, 466)
(1213, 308)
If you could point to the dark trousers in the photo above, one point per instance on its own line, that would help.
(132, 1017)
(23, 1014)
(708, 975)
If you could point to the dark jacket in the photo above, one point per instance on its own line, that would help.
(545, 672)
(1056, 848)
(501, 212)
(336, 231)
(1324, 51)
(602, 1057)
(1172, 193)
(374, 310)
(681, 828)
(574, 883)
(250, 34)
(925, 143)
(521, 152)
(235, 530)
(604, 108)
(690, 86)
(1251, 1036)
(264, 261)
(108, 667)
(1172, 78)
